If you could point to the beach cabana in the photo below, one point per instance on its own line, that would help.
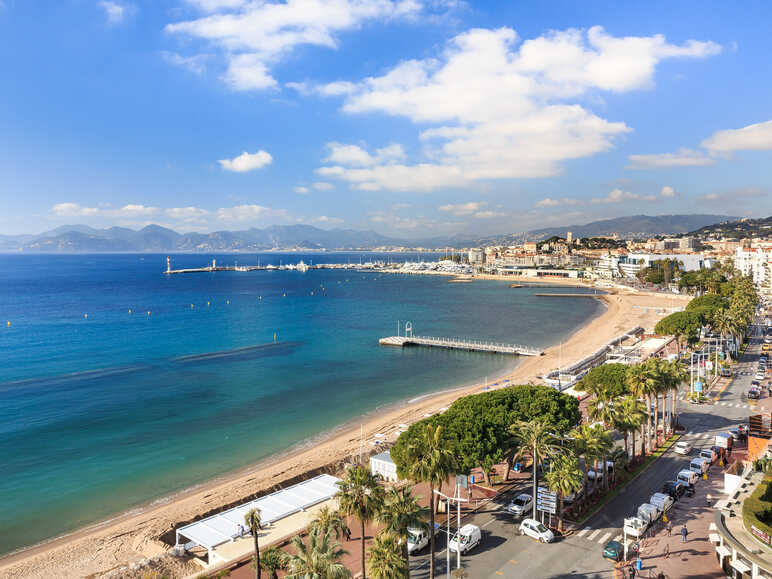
(223, 527)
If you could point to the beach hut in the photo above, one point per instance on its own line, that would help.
(383, 465)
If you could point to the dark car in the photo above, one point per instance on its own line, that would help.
(674, 488)
(754, 394)
(614, 550)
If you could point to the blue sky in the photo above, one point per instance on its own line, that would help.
(411, 117)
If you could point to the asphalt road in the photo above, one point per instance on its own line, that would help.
(503, 553)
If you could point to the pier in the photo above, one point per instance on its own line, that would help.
(457, 344)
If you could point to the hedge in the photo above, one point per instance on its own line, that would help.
(759, 504)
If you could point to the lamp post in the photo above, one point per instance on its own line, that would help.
(457, 499)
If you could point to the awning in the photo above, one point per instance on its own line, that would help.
(714, 538)
(741, 566)
(723, 551)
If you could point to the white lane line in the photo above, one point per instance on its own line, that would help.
(618, 538)
(602, 540)
(583, 531)
(592, 535)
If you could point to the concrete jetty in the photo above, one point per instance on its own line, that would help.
(461, 344)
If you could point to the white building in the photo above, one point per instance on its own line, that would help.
(757, 263)
(476, 256)
(383, 465)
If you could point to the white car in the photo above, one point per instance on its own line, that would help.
(467, 538)
(536, 530)
(521, 505)
(683, 447)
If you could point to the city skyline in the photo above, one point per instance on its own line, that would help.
(412, 119)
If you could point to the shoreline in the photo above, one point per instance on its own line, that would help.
(134, 534)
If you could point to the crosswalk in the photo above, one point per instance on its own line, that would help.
(733, 404)
(600, 536)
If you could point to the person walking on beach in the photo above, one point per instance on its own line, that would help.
(670, 528)
(667, 550)
(684, 532)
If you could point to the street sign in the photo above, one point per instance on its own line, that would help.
(698, 386)
(551, 509)
(461, 480)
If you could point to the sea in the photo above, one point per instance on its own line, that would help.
(120, 385)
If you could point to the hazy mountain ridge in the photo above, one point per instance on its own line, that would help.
(634, 226)
(738, 229)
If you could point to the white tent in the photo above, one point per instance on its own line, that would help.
(224, 527)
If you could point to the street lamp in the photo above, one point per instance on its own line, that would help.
(458, 500)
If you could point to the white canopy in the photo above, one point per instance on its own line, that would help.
(223, 527)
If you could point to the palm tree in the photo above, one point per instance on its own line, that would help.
(385, 560)
(360, 496)
(639, 382)
(273, 561)
(252, 521)
(619, 458)
(400, 512)
(656, 368)
(678, 375)
(584, 437)
(330, 520)
(603, 446)
(536, 441)
(319, 559)
(430, 461)
(634, 413)
(564, 478)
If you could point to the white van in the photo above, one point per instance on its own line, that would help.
(417, 538)
(687, 477)
(635, 526)
(466, 539)
(649, 511)
(699, 465)
(709, 454)
(662, 501)
(591, 474)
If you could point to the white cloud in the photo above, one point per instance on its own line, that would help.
(255, 35)
(73, 210)
(248, 213)
(195, 64)
(131, 210)
(323, 186)
(187, 214)
(683, 158)
(668, 192)
(354, 155)
(619, 196)
(488, 214)
(302, 190)
(246, 162)
(462, 208)
(752, 137)
(550, 202)
(327, 220)
(115, 12)
(734, 194)
(502, 111)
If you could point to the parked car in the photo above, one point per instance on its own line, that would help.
(683, 447)
(662, 501)
(417, 538)
(699, 465)
(466, 539)
(709, 453)
(687, 477)
(536, 530)
(614, 550)
(520, 505)
(754, 393)
(674, 488)
(649, 511)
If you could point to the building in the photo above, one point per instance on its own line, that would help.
(476, 256)
(757, 263)
(383, 465)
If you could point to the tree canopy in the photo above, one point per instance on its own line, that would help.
(605, 381)
(684, 324)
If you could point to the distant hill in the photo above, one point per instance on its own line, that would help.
(633, 226)
(154, 238)
(738, 229)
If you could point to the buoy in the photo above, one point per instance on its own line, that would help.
(148, 312)
(274, 336)
(9, 324)
(207, 304)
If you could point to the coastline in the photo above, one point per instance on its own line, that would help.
(134, 534)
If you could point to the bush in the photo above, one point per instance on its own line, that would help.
(757, 508)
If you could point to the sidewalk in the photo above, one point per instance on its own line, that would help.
(696, 558)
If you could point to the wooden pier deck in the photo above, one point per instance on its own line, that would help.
(461, 344)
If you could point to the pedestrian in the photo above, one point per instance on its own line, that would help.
(684, 532)
(348, 534)
(669, 528)
(632, 571)
(667, 550)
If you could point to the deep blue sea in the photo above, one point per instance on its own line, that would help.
(108, 399)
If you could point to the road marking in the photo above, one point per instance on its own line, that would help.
(604, 537)
(583, 531)
(592, 535)
(618, 537)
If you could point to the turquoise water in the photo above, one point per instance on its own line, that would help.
(102, 413)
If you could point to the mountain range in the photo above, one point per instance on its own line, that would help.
(154, 238)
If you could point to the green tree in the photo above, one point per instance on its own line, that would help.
(641, 384)
(536, 441)
(360, 496)
(400, 512)
(681, 325)
(252, 521)
(328, 519)
(429, 460)
(317, 559)
(273, 560)
(564, 478)
(606, 381)
(634, 416)
(385, 560)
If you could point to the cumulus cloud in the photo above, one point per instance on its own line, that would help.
(255, 35)
(462, 208)
(733, 194)
(488, 214)
(195, 64)
(618, 196)
(753, 137)
(551, 202)
(301, 190)
(324, 219)
(73, 210)
(246, 162)
(668, 192)
(500, 110)
(131, 210)
(248, 213)
(187, 214)
(115, 12)
(354, 155)
(323, 186)
(683, 158)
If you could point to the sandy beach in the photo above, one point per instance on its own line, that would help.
(137, 535)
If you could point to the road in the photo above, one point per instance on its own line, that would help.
(503, 553)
